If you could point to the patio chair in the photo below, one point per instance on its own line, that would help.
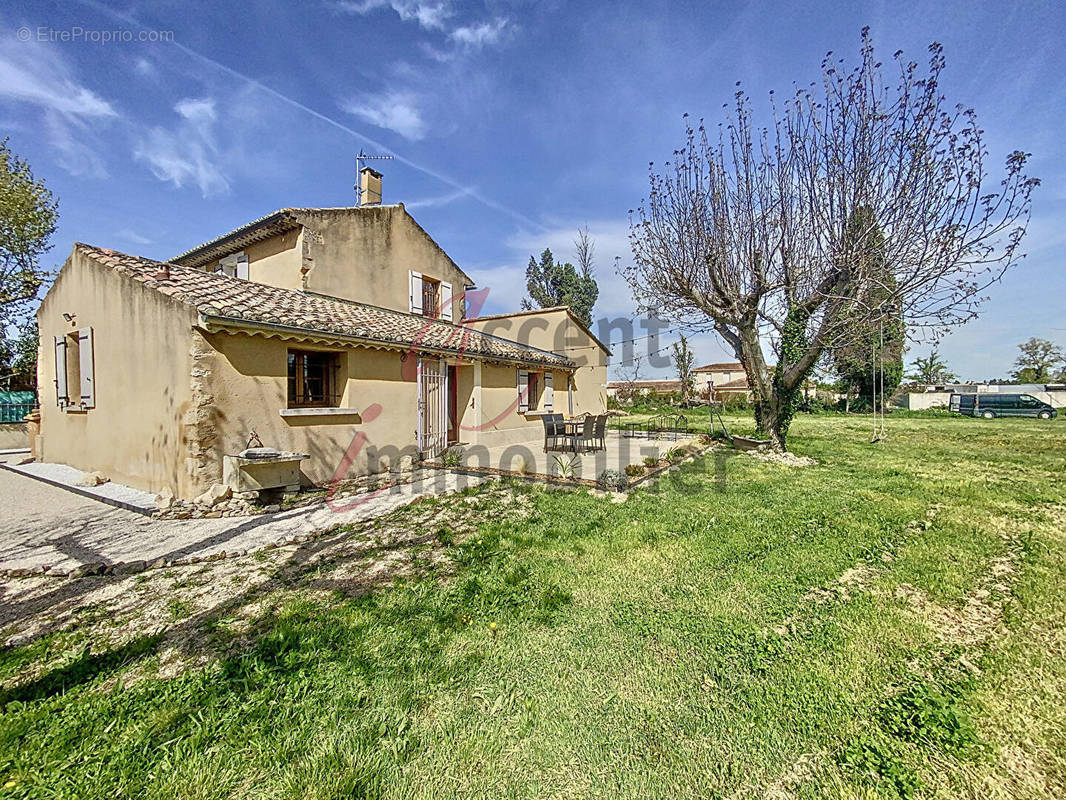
(601, 431)
(585, 437)
(552, 430)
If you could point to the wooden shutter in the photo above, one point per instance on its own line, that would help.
(446, 301)
(549, 391)
(523, 391)
(85, 356)
(62, 398)
(416, 292)
(242, 266)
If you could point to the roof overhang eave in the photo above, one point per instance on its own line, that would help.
(221, 324)
(270, 225)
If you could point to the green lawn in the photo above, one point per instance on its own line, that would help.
(889, 623)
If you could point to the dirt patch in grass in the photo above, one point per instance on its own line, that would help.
(802, 770)
(203, 612)
(981, 613)
(785, 459)
(851, 581)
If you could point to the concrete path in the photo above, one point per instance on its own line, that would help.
(43, 525)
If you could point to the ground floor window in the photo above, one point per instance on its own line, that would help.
(534, 391)
(313, 379)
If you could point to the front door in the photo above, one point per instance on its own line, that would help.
(432, 407)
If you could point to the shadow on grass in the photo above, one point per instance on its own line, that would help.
(83, 669)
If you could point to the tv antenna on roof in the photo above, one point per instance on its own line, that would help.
(359, 164)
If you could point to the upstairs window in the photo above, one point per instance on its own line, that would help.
(314, 379)
(430, 297)
(234, 265)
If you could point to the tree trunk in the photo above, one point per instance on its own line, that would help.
(772, 422)
(770, 411)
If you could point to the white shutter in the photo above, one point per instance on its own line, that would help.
(446, 301)
(549, 391)
(416, 292)
(61, 371)
(523, 391)
(85, 355)
(242, 266)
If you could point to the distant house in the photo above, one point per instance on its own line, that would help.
(339, 333)
(721, 381)
(651, 388)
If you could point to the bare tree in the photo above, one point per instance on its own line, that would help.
(761, 235)
(630, 373)
(585, 250)
(683, 358)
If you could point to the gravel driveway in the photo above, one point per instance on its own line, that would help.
(43, 525)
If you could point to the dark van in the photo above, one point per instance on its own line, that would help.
(992, 404)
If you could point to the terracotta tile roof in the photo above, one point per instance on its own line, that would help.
(720, 367)
(547, 310)
(234, 300)
(739, 383)
(255, 231)
(667, 385)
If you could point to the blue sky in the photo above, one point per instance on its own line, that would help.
(513, 122)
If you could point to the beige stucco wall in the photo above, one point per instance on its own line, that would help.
(248, 384)
(555, 331)
(13, 436)
(500, 422)
(361, 254)
(366, 254)
(275, 261)
(136, 434)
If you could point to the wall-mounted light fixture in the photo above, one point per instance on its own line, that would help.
(70, 318)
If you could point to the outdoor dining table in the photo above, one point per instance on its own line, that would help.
(572, 427)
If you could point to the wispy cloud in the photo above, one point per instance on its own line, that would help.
(71, 141)
(132, 236)
(186, 155)
(428, 15)
(481, 34)
(268, 91)
(440, 200)
(393, 110)
(145, 68)
(35, 74)
(200, 112)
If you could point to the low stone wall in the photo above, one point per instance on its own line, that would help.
(921, 401)
(13, 436)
